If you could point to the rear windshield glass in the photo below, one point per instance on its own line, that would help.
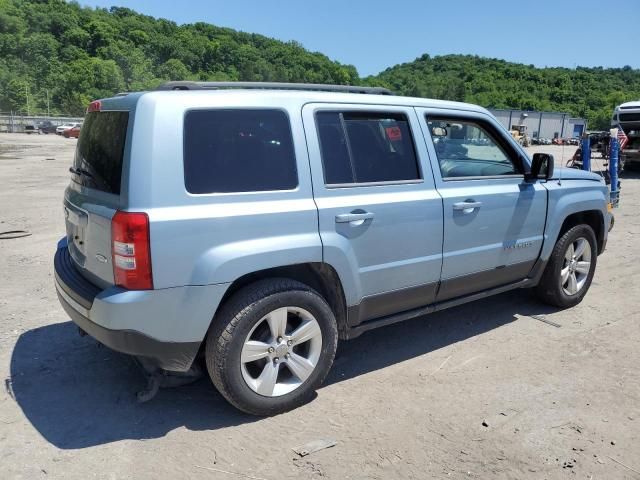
(98, 161)
(238, 151)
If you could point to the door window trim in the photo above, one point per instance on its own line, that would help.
(377, 111)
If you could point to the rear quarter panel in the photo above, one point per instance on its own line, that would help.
(215, 238)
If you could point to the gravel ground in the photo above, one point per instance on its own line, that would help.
(484, 390)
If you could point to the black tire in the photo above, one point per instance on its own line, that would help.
(550, 289)
(233, 323)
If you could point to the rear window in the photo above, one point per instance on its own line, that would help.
(98, 160)
(366, 147)
(238, 151)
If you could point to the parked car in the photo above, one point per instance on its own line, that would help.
(256, 224)
(73, 132)
(40, 127)
(47, 127)
(61, 129)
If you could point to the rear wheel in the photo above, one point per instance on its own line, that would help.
(271, 345)
(570, 270)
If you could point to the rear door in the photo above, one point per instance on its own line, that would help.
(94, 193)
(380, 217)
(493, 220)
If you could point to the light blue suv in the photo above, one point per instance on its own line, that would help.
(255, 224)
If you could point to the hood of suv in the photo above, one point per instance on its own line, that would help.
(575, 174)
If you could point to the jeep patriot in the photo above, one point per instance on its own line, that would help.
(254, 225)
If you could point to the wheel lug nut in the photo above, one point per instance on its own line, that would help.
(271, 350)
(289, 343)
(279, 339)
(276, 360)
(287, 356)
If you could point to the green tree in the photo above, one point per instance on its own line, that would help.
(78, 54)
(15, 95)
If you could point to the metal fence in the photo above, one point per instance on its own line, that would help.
(13, 123)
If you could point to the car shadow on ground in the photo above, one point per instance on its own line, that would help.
(77, 393)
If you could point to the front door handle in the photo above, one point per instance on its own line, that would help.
(467, 206)
(354, 217)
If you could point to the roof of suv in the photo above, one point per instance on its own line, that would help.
(377, 96)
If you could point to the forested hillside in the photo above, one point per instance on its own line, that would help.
(58, 51)
(78, 54)
(585, 92)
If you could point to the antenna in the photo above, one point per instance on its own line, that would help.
(561, 165)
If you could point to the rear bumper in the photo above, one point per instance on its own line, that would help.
(165, 326)
(166, 355)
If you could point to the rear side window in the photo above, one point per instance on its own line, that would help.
(238, 151)
(365, 147)
(98, 159)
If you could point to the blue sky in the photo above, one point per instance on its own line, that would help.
(374, 34)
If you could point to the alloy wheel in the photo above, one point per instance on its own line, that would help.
(576, 266)
(281, 351)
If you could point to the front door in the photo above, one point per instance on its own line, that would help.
(380, 217)
(493, 220)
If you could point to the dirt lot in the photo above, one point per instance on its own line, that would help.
(406, 401)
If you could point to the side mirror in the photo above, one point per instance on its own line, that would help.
(541, 166)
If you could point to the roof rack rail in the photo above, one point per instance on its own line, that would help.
(189, 85)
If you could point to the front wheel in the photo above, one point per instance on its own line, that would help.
(271, 345)
(568, 275)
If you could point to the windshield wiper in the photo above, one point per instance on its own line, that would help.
(80, 171)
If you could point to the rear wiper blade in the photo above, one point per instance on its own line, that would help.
(80, 171)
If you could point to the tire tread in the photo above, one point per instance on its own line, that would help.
(221, 333)
(548, 290)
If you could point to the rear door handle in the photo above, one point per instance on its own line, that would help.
(467, 206)
(353, 217)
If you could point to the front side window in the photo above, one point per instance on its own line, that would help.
(238, 151)
(467, 149)
(364, 147)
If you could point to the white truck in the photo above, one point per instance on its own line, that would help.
(627, 117)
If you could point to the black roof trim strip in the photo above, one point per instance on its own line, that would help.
(188, 85)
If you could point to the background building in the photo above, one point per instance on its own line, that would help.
(543, 124)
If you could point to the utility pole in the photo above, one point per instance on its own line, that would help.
(48, 114)
(26, 94)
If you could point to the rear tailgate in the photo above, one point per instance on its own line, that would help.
(94, 193)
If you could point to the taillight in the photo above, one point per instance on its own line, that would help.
(94, 106)
(131, 251)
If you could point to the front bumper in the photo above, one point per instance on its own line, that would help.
(165, 326)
